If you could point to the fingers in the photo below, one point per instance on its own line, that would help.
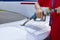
(58, 10)
(39, 14)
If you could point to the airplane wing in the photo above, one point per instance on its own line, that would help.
(19, 7)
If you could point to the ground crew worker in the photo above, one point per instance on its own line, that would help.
(55, 27)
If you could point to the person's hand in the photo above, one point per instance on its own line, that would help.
(39, 14)
(58, 10)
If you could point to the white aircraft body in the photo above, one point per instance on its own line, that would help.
(33, 30)
(24, 9)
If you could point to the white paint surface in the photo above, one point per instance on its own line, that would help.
(13, 30)
(26, 10)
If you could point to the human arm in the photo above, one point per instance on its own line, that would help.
(38, 11)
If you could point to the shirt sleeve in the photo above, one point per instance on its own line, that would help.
(44, 3)
(40, 2)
